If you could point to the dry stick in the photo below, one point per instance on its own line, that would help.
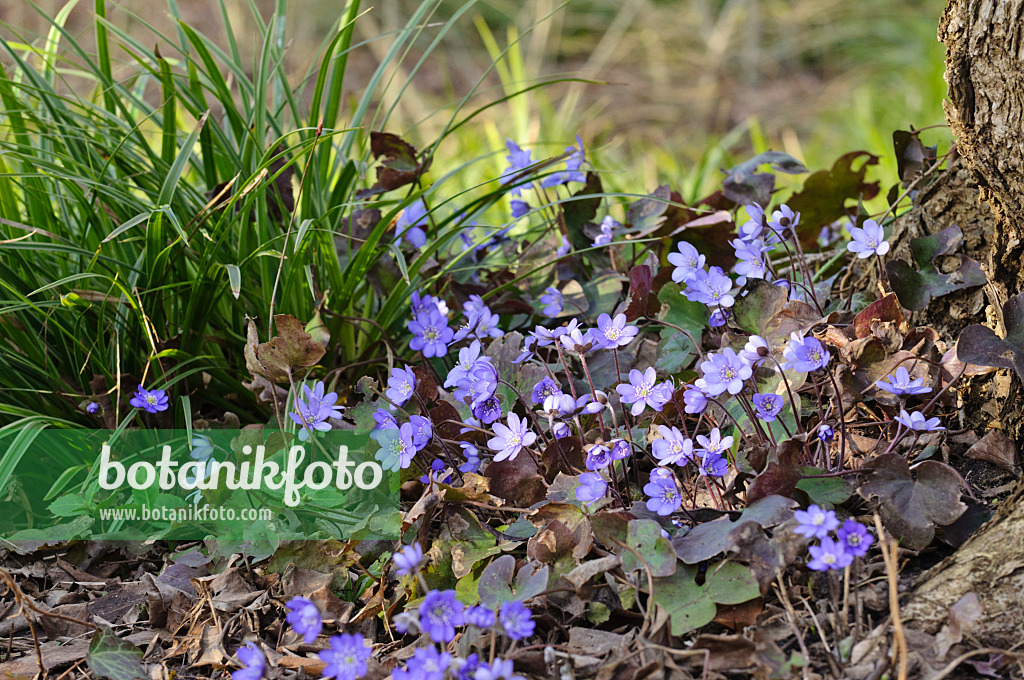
(291, 222)
(791, 617)
(899, 652)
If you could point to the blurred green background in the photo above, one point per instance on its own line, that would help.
(683, 83)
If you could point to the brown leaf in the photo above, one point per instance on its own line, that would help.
(996, 448)
(290, 349)
(884, 309)
(780, 477)
(517, 480)
(639, 292)
(729, 652)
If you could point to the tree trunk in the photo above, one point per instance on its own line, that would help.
(985, 111)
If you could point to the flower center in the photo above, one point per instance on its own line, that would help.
(612, 334)
(828, 558)
(853, 539)
(150, 399)
(728, 373)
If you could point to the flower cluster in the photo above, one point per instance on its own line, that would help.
(312, 413)
(851, 540)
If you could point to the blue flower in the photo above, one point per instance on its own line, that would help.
(401, 385)
(572, 171)
(712, 465)
(397, 448)
(552, 301)
(784, 219)
(488, 410)
(642, 391)
(544, 389)
(427, 663)
(755, 351)
(472, 454)
(253, 662)
(868, 241)
(606, 236)
(664, 498)
(767, 406)
(917, 421)
(687, 262)
(312, 414)
(498, 670)
(149, 401)
(346, 658)
(519, 208)
(694, 399)
(815, 522)
(408, 559)
(480, 616)
(92, 407)
(512, 439)
(469, 360)
(430, 334)
(426, 303)
(615, 332)
(755, 224)
(855, 538)
(673, 448)
(410, 222)
(805, 354)
(826, 433)
(714, 444)
(598, 457)
(900, 383)
(620, 449)
(469, 666)
(304, 618)
(440, 614)
(518, 160)
(829, 555)
(422, 431)
(517, 620)
(564, 249)
(725, 371)
(711, 289)
(384, 420)
(718, 318)
(592, 487)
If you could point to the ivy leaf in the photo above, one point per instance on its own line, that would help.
(111, 657)
(644, 536)
(912, 503)
(931, 279)
(743, 184)
(980, 345)
(290, 349)
(692, 605)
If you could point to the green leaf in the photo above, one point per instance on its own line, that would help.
(917, 287)
(644, 536)
(692, 605)
(675, 349)
(111, 657)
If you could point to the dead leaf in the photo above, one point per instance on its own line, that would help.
(996, 448)
(290, 349)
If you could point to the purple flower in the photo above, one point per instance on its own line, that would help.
(575, 340)
(469, 360)
(480, 616)
(620, 449)
(664, 498)
(755, 351)
(544, 389)
(469, 666)
(427, 303)
(481, 322)
(900, 383)
(409, 223)
(518, 208)
(719, 317)
(430, 334)
(868, 241)
(510, 440)
(440, 613)
(397, 447)
(815, 522)
(498, 670)
(755, 224)
(488, 410)
(855, 538)
(472, 454)
(346, 658)
(427, 663)
(92, 407)
(687, 262)
(615, 332)
(714, 444)
(478, 385)
(826, 433)
(751, 263)
(433, 474)
(673, 448)
(606, 236)
(517, 620)
(401, 385)
(829, 555)
(518, 160)
(694, 399)
(304, 618)
(711, 290)
(552, 301)
(384, 420)
(312, 414)
(253, 662)
(151, 402)
(598, 457)
(564, 249)
(422, 431)
(712, 465)
(917, 421)
(592, 487)
(767, 406)
(408, 559)
(784, 219)
(725, 371)
(642, 391)
(805, 354)
(572, 171)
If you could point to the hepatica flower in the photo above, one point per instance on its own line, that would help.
(552, 301)
(767, 406)
(346, 658)
(592, 487)
(401, 385)
(641, 391)
(572, 172)
(815, 522)
(805, 354)
(829, 555)
(687, 262)
(826, 433)
(511, 439)
(498, 670)
(517, 620)
(488, 410)
(694, 400)
(598, 457)
(304, 618)
(917, 421)
(855, 538)
(615, 332)
(606, 236)
(440, 613)
(725, 372)
(92, 407)
(712, 465)
(714, 443)
(253, 662)
(397, 447)
(712, 289)
(480, 616)
(431, 334)
(312, 414)
(673, 448)
(151, 402)
(663, 497)
(868, 241)
(901, 384)
(421, 305)
(544, 389)
(518, 160)
(408, 559)
(410, 222)
(427, 663)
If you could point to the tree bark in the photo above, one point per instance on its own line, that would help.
(985, 111)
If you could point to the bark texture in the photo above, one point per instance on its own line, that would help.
(985, 71)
